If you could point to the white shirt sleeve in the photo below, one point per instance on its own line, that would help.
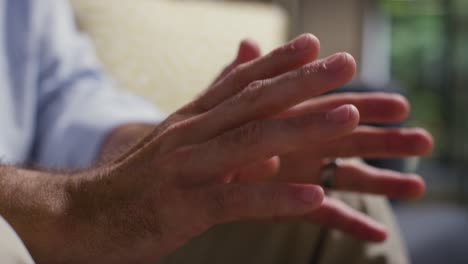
(77, 104)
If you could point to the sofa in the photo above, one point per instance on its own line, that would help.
(168, 51)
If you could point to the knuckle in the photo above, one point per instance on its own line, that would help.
(238, 70)
(223, 203)
(219, 203)
(175, 165)
(284, 49)
(237, 74)
(312, 69)
(180, 125)
(309, 70)
(320, 66)
(274, 196)
(279, 51)
(174, 135)
(252, 93)
(249, 134)
(168, 129)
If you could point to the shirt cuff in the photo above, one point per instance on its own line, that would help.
(134, 110)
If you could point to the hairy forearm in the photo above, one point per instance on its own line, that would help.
(35, 205)
(57, 214)
(42, 206)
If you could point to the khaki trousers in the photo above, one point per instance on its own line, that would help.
(296, 243)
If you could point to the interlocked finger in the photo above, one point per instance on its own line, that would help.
(373, 107)
(358, 177)
(261, 140)
(337, 215)
(262, 99)
(248, 50)
(296, 53)
(373, 142)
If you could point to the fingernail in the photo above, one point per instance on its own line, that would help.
(312, 195)
(340, 114)
(336, 62)
(302, 42)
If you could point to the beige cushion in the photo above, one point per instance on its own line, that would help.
(169, 50)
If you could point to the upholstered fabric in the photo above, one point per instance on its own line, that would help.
(169, 50)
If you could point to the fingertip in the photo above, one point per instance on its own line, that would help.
(340, 67)
(406, 186)
(412, 141)
(352, 65)
(404, 103)
(399, 107)
(429, 141)
(248, 50)
(418, 187)
(372, 231)
(312, 195)
(344, 115)
(380, 234)
(306, 45)
(315, 43)
(354, 114)
(424, 141)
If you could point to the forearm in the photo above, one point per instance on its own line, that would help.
(46, 208)
(35, 205)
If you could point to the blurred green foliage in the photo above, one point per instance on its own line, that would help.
(412, 7)
(430, 60)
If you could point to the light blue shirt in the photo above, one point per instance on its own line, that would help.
(56, 104)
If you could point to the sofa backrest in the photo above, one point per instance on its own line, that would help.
(168, 51)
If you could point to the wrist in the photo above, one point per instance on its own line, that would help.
(94, 203)
(35, 205)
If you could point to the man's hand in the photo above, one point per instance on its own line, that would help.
(174, 185)
(184, 177)
(249, 116)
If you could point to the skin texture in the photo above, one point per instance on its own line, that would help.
(248, 148)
